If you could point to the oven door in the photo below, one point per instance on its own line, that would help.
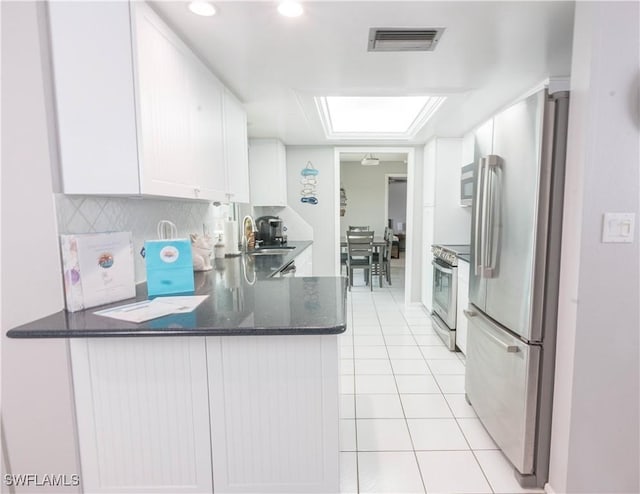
(445, 280)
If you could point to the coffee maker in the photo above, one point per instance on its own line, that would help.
(269, 231)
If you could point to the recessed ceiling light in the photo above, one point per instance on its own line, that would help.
(202, 8)
(289, 8)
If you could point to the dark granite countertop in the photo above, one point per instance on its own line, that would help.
(243, 299)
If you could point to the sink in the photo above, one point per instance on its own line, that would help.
(276, 247)
(271, 252)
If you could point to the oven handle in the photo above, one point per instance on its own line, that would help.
(439, 267)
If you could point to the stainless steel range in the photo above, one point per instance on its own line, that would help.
(445, 290)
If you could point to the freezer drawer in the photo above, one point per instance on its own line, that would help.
(502, 386)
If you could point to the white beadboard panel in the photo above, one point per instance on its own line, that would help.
(143, 414)
(90, 214)
(274, 408)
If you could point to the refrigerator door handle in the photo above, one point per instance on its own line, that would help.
(479, 220)
(484, 234)
(490, 245)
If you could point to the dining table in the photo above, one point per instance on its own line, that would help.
(378, 242)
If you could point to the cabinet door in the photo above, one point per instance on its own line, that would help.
(274, 409)
(236, 149)
(427, 269)
(429, 174)
(94, 92)
(143, 414)
(268, 172)
(463, 302)
(206, 135)
(180, 107)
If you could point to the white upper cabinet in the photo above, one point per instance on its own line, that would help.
(95, 102)
(180, 107)
(429, 174)
(268, 172)
(138, 112)
(468, 149)
(236, 149)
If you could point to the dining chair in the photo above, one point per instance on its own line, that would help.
(352, 228)
(360, 255)
(382, 259)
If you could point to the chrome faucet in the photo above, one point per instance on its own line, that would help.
(248, 233)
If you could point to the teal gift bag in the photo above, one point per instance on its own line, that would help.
(169, 267)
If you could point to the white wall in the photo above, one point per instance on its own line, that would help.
(366, 188)
(415, 194)
(321, 216)
(37, 409)
(596, 432)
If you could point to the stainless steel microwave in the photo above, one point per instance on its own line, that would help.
(466, 185)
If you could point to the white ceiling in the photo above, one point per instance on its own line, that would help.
(490, 53)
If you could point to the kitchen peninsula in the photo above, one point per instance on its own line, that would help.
(240, 395)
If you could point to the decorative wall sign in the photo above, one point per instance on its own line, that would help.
(309, 181)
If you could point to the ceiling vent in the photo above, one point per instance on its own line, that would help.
(404, 39)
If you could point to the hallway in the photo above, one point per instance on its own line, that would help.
(405, 425)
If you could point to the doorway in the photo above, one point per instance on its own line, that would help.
(363, 191)
(396, 214)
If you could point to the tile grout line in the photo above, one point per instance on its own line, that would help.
(404, 414)
(459, 427)
(355, 423)
(355, 388)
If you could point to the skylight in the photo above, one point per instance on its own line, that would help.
(375, 117)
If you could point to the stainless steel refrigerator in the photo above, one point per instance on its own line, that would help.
(513, 285)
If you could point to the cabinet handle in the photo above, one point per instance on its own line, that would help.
(196, 191)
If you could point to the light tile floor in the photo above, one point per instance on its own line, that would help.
(405, 426)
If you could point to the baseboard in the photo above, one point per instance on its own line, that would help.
(548, 489)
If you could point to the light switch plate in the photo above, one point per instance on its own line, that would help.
(618, 227)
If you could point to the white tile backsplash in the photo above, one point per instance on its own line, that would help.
(88, 214)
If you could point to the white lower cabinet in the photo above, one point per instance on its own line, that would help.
(427, 269)
(274, 413)
(173, 415)
(143, 415)
(463, 302)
